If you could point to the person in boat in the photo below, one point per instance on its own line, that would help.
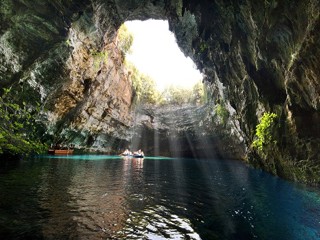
(139, 153)
(126, 152)
(142, 153)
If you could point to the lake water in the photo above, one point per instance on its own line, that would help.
(108, 197)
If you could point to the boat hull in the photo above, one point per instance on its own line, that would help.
(60, 151)
(137, 156)
(132, 156)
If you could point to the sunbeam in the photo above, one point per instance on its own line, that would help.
(156, 141)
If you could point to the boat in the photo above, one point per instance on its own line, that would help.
(60, 151)
(137, 156)
(132, 155)
(126, 155)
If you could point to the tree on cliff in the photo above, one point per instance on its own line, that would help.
(125, 39)
(174, 95)
(144, 87)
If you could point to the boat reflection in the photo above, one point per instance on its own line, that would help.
(136, 163)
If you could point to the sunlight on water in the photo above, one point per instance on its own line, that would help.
(109, 197)
(158, 223)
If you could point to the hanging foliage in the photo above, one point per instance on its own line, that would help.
(19, 127)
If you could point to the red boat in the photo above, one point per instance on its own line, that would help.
(60, 151)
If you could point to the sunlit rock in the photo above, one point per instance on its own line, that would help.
(187, 131)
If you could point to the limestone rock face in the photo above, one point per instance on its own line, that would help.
(263, 57)
(257, 56)
(188, 131)
(60, 54)
(94, 105)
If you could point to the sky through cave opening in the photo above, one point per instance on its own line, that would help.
(154, 52)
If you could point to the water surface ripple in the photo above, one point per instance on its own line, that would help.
(108, 197)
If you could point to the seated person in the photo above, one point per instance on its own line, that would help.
(139, 153)
(126, 152)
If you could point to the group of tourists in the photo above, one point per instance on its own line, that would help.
(128, 153)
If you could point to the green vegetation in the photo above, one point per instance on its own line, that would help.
(19, 128)
(203, 47)
(178, 5)
(177, 95)
(199, 93)
(146, 93)
(125, 39)
(68, 42)
(124, 43)
(222, 112)
(99, 57)
(144, 87)
(264, 131)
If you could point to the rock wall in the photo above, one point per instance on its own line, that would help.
(186, 131)
(94, 105)
(262, 56)
(258, 56)
(64, 55)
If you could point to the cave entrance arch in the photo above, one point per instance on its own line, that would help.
(167, 110)
(71, 64)
(99, 91)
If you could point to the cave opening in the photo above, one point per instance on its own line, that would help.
(172, 98)
(171, 116)
(155, 52)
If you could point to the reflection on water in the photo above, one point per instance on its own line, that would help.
(109, 197)
(95, 201)
(157, 222)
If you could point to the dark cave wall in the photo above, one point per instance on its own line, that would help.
(258, 56)
(265, 54)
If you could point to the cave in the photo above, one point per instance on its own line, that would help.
(255, 57)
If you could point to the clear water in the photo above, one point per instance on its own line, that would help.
(107, 197)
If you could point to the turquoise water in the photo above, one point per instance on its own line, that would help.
(98, 157)
(110, 197)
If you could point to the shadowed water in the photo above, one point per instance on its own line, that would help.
(108, 197)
